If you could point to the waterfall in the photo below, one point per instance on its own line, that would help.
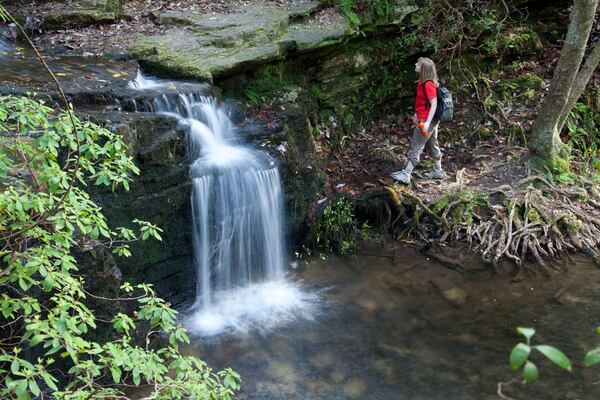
(237, 222)
(236, 207)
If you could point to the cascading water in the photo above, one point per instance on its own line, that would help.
(237, 211)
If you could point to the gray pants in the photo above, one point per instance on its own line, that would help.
(418, 142)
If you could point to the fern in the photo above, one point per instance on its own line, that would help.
(347, 7)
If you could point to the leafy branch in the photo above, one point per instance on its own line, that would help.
(520, 359)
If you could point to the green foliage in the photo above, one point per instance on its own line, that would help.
(47, 159)
(347, 7)
(359, 11)
(519, 356)
(265, 83)
(254, 97)
(460, 207)
(338, 228)
(584, 135)
(521, 40)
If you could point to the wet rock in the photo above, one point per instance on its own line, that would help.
(322, 360)
(319, 387)
(385, 368)
(366, 303)
(355, 387)
(452, 294)
(337, 376)
(160, 194)
(285, 372)
(386, 349)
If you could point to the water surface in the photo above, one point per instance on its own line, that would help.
(386, 331)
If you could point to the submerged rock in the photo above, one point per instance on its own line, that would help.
(355, 387)
(451, 293)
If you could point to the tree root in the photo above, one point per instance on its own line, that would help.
(533, 220)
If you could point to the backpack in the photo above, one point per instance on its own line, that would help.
(445, 106)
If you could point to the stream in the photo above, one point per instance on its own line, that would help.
(385, 331)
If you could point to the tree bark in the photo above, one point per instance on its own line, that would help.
(545, 140)
(581, 81)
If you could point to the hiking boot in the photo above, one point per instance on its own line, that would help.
(435, 174)
(401, 176)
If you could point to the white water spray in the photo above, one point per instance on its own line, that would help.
(237, 211)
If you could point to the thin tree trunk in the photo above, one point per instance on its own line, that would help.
(545, 140)
(581, 81)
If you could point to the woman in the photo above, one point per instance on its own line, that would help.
(427, 134)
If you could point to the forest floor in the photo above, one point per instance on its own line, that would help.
(377, 152)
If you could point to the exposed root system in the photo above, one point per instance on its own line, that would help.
(532, 219)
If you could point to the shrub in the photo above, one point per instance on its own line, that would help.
(47, 159)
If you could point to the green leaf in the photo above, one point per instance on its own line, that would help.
(33, 386)
(21, 389)
(136, 377)
(527, 332)
(592, 357)
(37, 339)
(530, 372)
(49, 381)
(519, 355)
(14, 367)
(555, 355)
(116, 374)
(48, 283)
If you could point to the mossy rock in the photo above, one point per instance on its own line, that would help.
(526, 82)
(88, 12)
(521, 41)
(160, 194)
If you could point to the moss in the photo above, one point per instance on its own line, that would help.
(522, 41)
(533, 216)
(527, 82)
(441, 203)
(515, 133)
(485, 132)
(558, 164)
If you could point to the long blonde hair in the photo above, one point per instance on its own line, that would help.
(428, 71)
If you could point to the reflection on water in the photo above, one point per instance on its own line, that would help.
(20, 66)
(416, 330)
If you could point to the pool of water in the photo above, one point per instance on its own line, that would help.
(414, 329)
(21, 68)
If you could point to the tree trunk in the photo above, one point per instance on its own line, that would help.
(545, 140)
(583, 77)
